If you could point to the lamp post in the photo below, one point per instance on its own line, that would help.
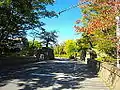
(118, 42)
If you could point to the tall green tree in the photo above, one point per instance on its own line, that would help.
(59, 49)
(17, 16)
(48, 38)
(70, 47)
(36, 44)
(84, 44)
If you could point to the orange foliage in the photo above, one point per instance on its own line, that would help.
(112, 3)
(106, 18)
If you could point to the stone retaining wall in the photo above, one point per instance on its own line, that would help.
(110, 75)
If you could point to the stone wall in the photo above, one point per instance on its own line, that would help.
(110, 76)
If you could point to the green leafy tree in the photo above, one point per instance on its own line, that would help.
(59, 49)
(70, 47)
(36, 44)
(84, 44)
(32, 48)
(105, 43)
(17, 16)
(48, 38)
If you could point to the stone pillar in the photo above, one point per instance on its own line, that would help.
(118, 42)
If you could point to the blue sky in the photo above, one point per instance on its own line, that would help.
(64, 24)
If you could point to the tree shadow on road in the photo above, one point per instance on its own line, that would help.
(49, 75)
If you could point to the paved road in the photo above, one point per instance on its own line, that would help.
(50, 75)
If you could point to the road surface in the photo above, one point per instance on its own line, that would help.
(50, 75)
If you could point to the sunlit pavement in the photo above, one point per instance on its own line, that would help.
(50, 75)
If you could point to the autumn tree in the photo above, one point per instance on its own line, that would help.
(99, 21)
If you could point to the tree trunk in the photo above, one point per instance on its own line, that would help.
(33, 42)
(83, 55)
(47, 44)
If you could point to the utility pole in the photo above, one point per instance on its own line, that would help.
(118, 42)
(117, 3)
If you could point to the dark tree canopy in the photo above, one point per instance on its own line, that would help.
(17, 16)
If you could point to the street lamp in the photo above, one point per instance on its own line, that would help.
(118, 42)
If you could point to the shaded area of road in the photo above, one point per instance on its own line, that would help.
(49, 75)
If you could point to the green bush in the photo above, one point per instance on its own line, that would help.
(106, 59)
